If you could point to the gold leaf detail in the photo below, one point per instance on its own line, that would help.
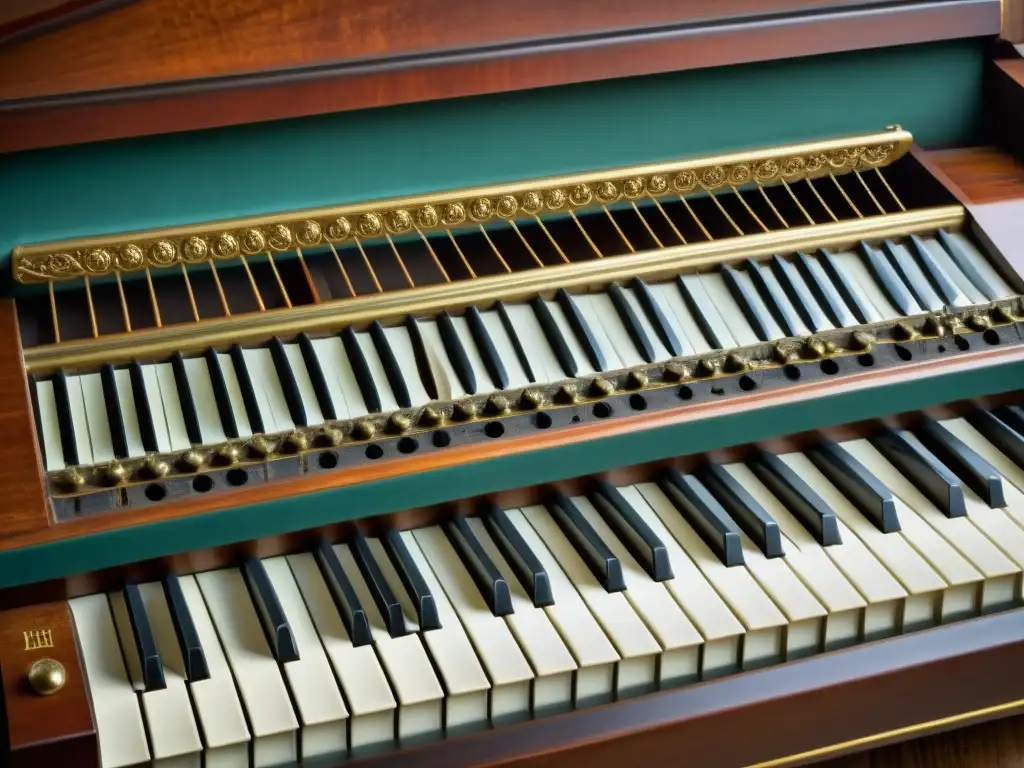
(876, 155)
(713, 177)
(792, 166)
(427, 216)
(226, 245)
(766, 170)
(130, 257)
(480, 209)
(839, 158)
(532, 202)
(739, 174)
(308, 233)
(607, 192)
(453, 213)
(339, 229)
(97, 260)
(398, 221)
(556, 199)
(507, 206)
(657, 184)
(633, 187)
(815, 163)
(253, 241)
(685, 181)
(162, 253)
(370, 225)
(580, 194)
(194, 249)
(279, 237)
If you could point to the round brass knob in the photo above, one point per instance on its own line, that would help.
(46, 676)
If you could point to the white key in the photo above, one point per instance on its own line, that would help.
(923, 605)
(264, 376)
(720, 628)
(815, 569)
(503, 660)
(983, 265)
(707, 310)
(255, 670)
(857, 272)
(466, 684)
(476, 362)
(971, 293)
(824, 323)
(593, 308)
(96, 415)
(727, 309)
(205, 402)
(401, 347)
(372, 716)
(304, 384)
(227, 367)
(883, 593)
(115, 707)
(679, 316)
(76, 399)
(593, 652)
(770, 326)
(763, 641)
(772, 281)
(1000, 573)
(661, 352)
(341, 380)
(129, 414)
(541, 357)
(551, 661)
(929, 299)
(405, 661)
(377, 372)
(846, 317)
(505, 349)
(638, 649)
(583, 364)
(154, 396)
(173, 735)
(321, 710)
(218, 708)
(53, 450)
(171, 405)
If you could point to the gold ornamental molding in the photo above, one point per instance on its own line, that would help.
(281, 232)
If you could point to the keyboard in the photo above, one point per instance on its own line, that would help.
(702, 570)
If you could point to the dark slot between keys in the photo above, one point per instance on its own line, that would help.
(554, 337)
(1011, 415)
(275, 623)
(777, 302)
(657, 318)
(632, 531)
(289, 386)
(745, 299)
(388, 605)
(943, 284)
(142, 411)
(980, 476)
(817, 279)
(220, 393)
(788, 276)
(705, 514)
(997, 432)
(118, 439)
(694, 307)
(886, 277)
(390, 364)
(488, 579)
(252, 408)
(345, 599)
(744, 509)
(517, 345)
(920, 289)
(317, 377)
(145, 641)
(361, 370)
(846, 291)
(631, 322)
(456, 352)
(801, 499)
(64, 418)
(595, 553)
(192, 653)
(412, 580)
(531, 573)
(423, 366)
(581, 329)
(859, 485)
(485, 346)
(923, 469)
(188, 406)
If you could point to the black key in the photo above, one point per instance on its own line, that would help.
(745, 299)
(799, 498)
(996, 431)
(530, 571)
(289, 386)
(423, 366)
(633, 532)
(581, 329)
(275, 623)
(387, 603)
(656, 317)
(941, 281)
(412, 580)
(192, 652)
(145, 641)
(636, 332)
(705, 514)
(486, 576)
(776, 301)
(744, 509)
(456, 352)
(849, 294)
(595, 553)
(823, 289)
(220, 393)
(1011, 415)
(695, 311)
(345, 598)
(858, 484)
(67, 427)
(980, 476)
(252, 405)
(517, 345)
(118, 439)
(554, 337)
(391, 368)
(798, 294)
(484, 345)
(361, 370)
(923, 469)
(188, 406)
(967, 265)
(886, 277)
(317, 378)
(142, 410)
(906, 267)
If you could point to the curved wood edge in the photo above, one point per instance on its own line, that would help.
(429, 76)
(893, 689)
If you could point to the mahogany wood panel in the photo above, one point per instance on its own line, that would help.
(1013, 21)
(20, 19)
(271, 60)
(55, 730)
(23, 499)
(977, 174)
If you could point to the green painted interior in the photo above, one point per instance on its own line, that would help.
(142, 542)
(933, 90)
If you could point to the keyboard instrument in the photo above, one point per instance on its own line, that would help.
(390, 411)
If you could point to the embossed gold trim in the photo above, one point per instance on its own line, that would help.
(156, 343)
(230, 239)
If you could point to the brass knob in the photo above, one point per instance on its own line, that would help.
(46, 676)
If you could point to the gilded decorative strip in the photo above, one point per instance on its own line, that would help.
(226, 240)
(394, 306)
